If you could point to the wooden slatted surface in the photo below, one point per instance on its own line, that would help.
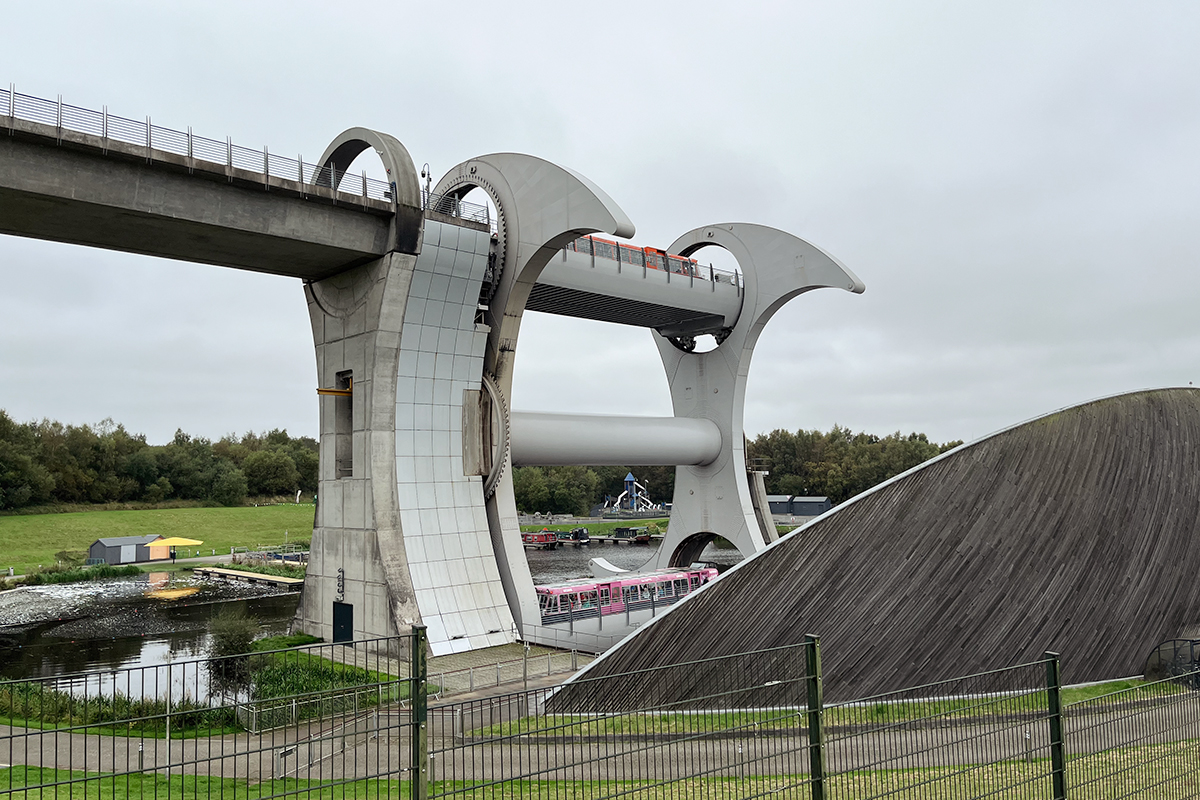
(1076, 532)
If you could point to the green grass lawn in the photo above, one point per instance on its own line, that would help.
(29, 540)
(936, 711)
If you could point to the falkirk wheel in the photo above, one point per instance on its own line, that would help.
(417, 519)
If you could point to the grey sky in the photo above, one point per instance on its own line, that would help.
(1017, 184)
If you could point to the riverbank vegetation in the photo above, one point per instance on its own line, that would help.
(31, 542)
(44, 465)
(58, 574)
(268, 678)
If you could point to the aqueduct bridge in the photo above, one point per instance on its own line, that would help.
(416, 298)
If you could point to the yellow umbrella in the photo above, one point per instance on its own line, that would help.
(176, 541)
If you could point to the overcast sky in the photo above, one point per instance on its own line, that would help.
(1018, 185)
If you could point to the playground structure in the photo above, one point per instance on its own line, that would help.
(635, 498)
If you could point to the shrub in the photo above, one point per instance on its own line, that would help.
(233, 634)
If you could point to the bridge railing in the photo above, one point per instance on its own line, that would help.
(651, 259)
(113, 128)
(454, 207)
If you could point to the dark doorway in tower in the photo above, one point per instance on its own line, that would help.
(343, 622)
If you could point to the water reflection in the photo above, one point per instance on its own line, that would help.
(144, 622)
(124, 623)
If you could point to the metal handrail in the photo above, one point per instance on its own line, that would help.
(637, 257)
(110, 127)
(452, 206)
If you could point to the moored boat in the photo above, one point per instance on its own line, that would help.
(545, 539)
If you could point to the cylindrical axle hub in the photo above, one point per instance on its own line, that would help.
(564, 439)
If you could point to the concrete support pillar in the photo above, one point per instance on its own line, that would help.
(358, 556)
(541, 207)
(716, 498)
(401, 535)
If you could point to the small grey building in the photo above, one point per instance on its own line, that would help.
(127, 549)
(779, 503)
(809, 506)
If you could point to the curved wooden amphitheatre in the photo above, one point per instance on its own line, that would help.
(1074, 532)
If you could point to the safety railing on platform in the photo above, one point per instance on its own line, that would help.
(454, 207)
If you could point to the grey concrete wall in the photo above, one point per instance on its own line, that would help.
(356, 319)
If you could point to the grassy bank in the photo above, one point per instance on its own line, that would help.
(73, 575)
(931, 711)
(27, 541)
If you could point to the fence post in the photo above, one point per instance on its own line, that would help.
(816, 703)
(1054, 706)
(418, 670)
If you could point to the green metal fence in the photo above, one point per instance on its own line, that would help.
(755, 725)
(744, 725)
(1139, 741)
(350, 725)
(733, 726)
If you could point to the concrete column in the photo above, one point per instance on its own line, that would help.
(541, 207)
(358, 555)
(716, 499)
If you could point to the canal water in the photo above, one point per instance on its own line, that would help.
(143, 620)
(156, 618)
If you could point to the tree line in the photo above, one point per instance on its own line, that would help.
(46, 462)
(50, 463)
(838, 465)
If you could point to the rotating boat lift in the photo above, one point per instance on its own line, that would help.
(417, 520)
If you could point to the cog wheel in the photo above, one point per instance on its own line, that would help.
(500, 412)
(685, 343)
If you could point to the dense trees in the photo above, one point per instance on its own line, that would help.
(48, 462)
(838, 465)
